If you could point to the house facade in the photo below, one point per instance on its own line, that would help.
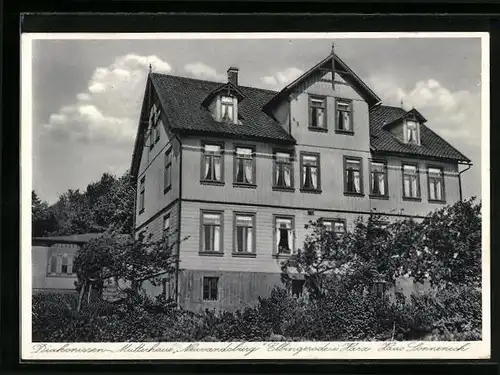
(234, 173)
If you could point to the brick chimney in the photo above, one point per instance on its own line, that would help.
(232, 75)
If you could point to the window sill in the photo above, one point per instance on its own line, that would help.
(244, 255)
(376, 196)
(210, 300)
(282, 255)
(213, 183)
(244, 185)
(283, 188)
(167, 189)
(141, 211)
(412, 199)
(345, 132)
(352, 194)
(62, 276)
(312, 191)
(318, 129)
(211, 253)
(438, 201)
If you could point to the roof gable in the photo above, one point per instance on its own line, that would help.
(325, 66)
(225, 89)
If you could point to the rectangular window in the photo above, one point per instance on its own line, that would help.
(60, 264)
(412, 132)
(378, 178)
(344, 116)
(336, 225)
(436, 184)
(211, 232)
(310, 171)
(283, 170)
(166, 229)
(297, 287)
(210, 288)
(317, 112)
(142, 191)
(167, 177)
(284, 235)
(227, 108)
(353, 178)
(411, 184)
(212, 163)
(244, 233)
(244, 169)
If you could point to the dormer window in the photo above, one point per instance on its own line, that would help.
(227, 108)
(412, 132)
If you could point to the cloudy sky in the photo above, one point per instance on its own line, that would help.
(87, 93)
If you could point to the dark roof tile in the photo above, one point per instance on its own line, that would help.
(432, 145)
(181, 98)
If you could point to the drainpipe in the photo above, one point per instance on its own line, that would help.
(177, 260)
(460, 180)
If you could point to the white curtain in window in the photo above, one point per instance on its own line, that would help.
(314, 177)
(207, 167)
(381, 184)
(438, 190)
(347, 122)
(290, 239)
(216, 245)
(249, 240)
(287, 173)
(248, 170)
(217, 168)
(320, 113)
(414, 186)
(407, 185)
(356, 181)
(70, 265)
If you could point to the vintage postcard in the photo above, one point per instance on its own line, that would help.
(255, 196)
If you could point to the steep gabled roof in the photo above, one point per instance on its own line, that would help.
(381, 140)
(322, 68)
(181, 99)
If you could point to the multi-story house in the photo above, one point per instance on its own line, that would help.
(240, 171)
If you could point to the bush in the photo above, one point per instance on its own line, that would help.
(453, 313)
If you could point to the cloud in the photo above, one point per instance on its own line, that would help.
(203, 71)
(455, 115)
(108, 110)
(283, 77)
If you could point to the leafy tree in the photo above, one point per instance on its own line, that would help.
(444, 248)
(42, 219)
(126, 261)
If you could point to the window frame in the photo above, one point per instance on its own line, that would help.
(254, 165)
(386, 179)
(235, 252)
(202, 233)
(166, 231)
(417, 172)
(318, 166)
(276, 187)
(443, 187)
(276, 252)
(405, 129)
(349, 102)
(167, 170)
(208, 299)
(361, 179)
(222, 104)
(58, 254)
(334, 220)
(323, 98)
(204, 181)
(142, 194)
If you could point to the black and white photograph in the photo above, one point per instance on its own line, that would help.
(255, 196)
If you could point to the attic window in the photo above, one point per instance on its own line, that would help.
(412, 132)
(227, 108)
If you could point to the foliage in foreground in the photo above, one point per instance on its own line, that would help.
(453, 313)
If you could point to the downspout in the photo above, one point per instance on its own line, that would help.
(460, 179)
(177, 260)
